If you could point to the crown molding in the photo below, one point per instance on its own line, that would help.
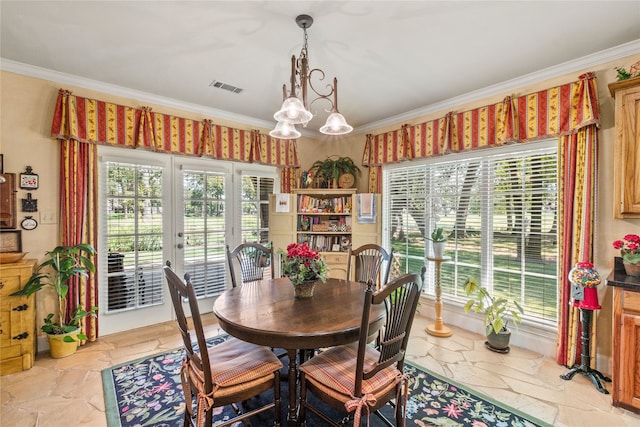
(608, 55)
(617, 52)
(73, 80)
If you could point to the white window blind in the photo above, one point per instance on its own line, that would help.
(499, 212)
(255, 207)
(134, 235)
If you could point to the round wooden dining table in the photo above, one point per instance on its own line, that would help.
(267, 313)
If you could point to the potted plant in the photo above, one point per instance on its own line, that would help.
(438, 240)
(333, 167)
(304, 267)
(629, 247)
(496, 312)
(62, 264)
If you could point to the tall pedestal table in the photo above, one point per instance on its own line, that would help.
(438, 329)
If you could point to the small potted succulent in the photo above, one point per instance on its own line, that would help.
(438, 240)
(62, 264)
(496, 312)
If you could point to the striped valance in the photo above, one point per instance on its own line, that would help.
(548, 113)
(98, 122)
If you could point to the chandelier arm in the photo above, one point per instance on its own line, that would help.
(326, 96)
(293, 76)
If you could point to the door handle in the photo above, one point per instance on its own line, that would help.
(180, 234)
(180, 245)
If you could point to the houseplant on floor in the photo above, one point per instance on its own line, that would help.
(62, 264)
(496, 311)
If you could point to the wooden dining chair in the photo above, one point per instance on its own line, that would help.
(252, 259)
(369, 262)
(359, 376)
(225, 374)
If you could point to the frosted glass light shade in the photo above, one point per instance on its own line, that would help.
(293, 111)
(336, 125)
(285, 130)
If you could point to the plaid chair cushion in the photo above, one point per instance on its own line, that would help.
(236, 362)
(336, 369)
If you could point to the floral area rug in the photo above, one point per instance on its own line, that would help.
(148, 392)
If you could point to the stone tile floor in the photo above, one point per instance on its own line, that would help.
(68, 392)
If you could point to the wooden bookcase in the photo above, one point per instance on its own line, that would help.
(327, 219)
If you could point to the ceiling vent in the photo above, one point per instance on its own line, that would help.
(225, 86)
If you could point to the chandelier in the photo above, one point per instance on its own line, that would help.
(295, 107)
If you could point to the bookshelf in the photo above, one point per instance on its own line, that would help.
(326, 219)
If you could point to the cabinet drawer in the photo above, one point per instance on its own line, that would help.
(631, 301)
(336, 258)
(9, 284)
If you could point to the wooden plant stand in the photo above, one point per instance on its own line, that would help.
(438, 329)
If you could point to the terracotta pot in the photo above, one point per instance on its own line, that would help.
(632, 269)
(304, 289)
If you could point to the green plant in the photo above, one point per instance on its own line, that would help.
(495, 309)
(437, 235)
(333, 166)
(62, 264)
(622, 74)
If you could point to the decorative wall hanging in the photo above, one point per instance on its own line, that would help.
(29, 204)
(28, 223)
(29, 180)
(10, 241)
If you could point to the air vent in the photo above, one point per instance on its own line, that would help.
(225, 86)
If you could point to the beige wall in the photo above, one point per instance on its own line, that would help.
(26, 108)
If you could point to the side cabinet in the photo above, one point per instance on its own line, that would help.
(627, 149)
(17, 319)
(626, 346)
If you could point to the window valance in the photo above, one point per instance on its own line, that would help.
(560, 110)
(98, 122)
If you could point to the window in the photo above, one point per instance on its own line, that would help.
(499, 211)
(255, 208)
(134, 235)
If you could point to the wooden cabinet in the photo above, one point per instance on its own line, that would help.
(17, 319)
(626, 349)
(327, 219)
(627, 149)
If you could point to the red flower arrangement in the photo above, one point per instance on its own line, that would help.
(302, 264)
(629, 248)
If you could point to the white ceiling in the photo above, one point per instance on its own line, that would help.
(390, 57)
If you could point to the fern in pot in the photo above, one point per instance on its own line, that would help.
(496, 310)
(61, 264)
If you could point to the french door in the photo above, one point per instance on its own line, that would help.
(157, 208)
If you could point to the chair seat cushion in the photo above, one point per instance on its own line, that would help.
(235, 362)
(335, 369)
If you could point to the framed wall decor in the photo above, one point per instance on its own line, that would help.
(29, 180)
(10, 241)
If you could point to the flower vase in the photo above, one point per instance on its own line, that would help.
(304, 289)
(632, 269)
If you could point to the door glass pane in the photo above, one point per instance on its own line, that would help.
(134, 236)
(204, 231)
